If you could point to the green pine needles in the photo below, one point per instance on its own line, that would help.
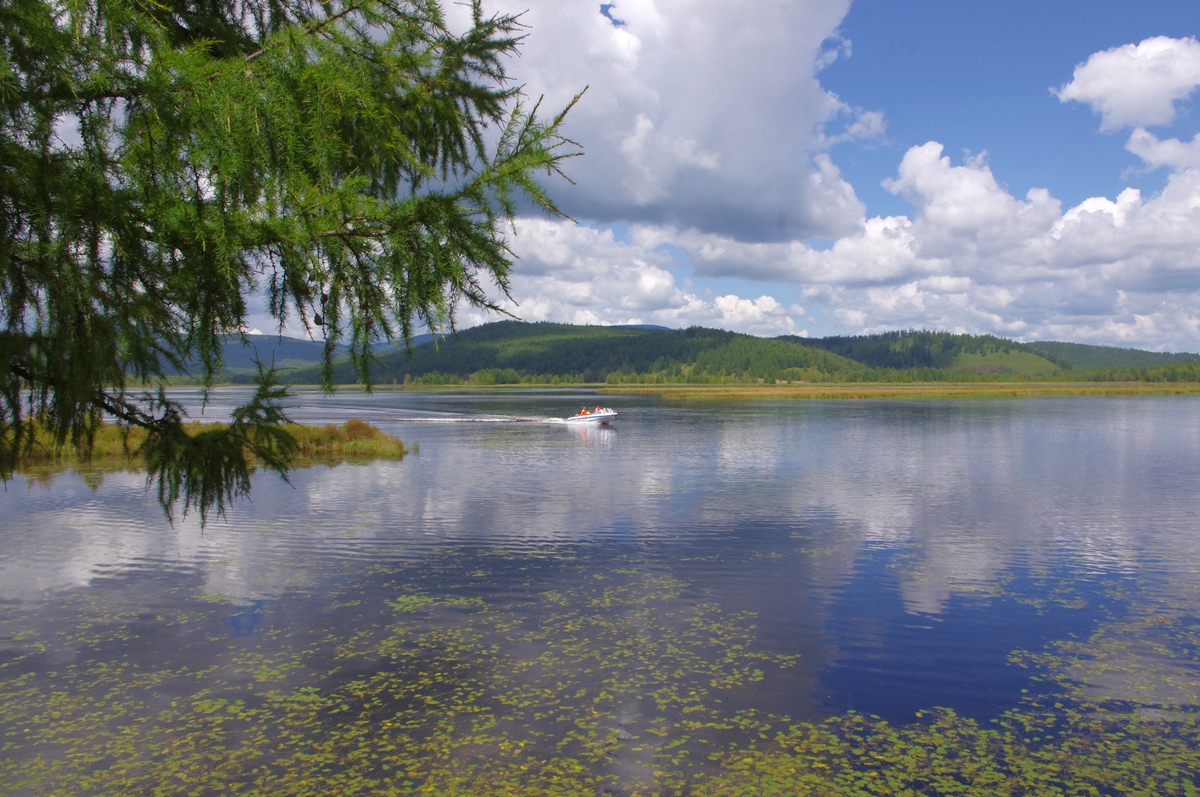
(164, 161)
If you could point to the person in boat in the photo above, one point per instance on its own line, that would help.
(583, 411)
(597, 408)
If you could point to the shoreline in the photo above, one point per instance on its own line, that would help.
(912, 390)
(806, 390)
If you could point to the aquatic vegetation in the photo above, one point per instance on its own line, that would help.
(617, 682)
(116, 447)
(431, 699)
(354, 439)
(1030, 751)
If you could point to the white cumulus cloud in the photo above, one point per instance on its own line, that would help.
(1136, 85)
(1172, 153)
(699, 113)
(577, 274)
(709, 138)
(975, 258)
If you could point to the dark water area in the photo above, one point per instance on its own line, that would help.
(594, 606)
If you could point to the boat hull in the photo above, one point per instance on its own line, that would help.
(592, 418)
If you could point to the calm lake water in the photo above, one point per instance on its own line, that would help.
(524, 602)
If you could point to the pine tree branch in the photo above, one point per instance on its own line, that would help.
(313, 28)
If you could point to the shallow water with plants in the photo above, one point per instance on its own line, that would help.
(719, 598)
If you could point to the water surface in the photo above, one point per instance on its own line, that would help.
(525, 602)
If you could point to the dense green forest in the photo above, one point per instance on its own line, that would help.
(1183, 372)
(514, 352)
(943, 350)
(1078, 355)
(508, 352)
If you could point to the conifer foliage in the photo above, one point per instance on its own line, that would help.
(355, 162)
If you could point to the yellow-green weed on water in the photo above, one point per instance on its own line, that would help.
(116, 448)
(612, 685)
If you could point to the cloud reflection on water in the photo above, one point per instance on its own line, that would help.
(970, 488)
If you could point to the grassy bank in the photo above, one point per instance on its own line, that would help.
(846, 390)
(914, 390)
(115, 448)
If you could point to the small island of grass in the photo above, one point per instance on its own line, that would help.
(117, 448)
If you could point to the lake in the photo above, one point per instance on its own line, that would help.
(721, 597)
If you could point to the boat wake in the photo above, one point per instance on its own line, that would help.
(478, 419)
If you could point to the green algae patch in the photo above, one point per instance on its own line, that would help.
(1087, 750)
(609, 683)
(431, 695)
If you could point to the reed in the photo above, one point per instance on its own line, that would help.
(354, 439)
(117, 448)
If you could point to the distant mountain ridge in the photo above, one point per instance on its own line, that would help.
(287, 354)
(514, 351)
(518, 349)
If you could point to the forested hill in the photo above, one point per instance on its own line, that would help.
(941, 350)
(1078, 355)
(924, 349)
(510, 351)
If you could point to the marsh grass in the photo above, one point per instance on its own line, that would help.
(118, 448)
(352, 440)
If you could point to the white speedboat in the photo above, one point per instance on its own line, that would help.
(594, 415)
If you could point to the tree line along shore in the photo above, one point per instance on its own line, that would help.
(518, 353)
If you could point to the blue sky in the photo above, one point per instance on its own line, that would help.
(817, 167)
(977, 76)
(826, 167)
